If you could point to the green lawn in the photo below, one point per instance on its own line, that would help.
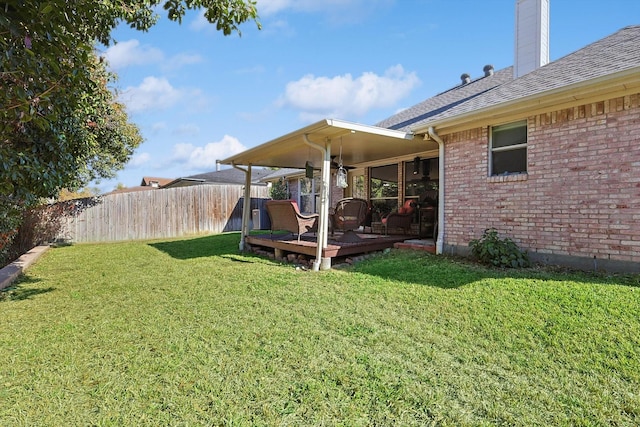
(189, 332)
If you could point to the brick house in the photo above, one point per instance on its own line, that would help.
(548, 153)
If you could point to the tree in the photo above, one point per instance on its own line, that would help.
(82, 193)
(60, 126)
(279, 190)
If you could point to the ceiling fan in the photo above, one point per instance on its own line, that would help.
(335, 165)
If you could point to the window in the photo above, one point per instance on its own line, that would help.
(509, 149)
(357, 187)
(383, 189)
(309, 194)
(420, 177)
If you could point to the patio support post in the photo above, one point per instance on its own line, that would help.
(246, 206)
(441, 192)
(323, 230)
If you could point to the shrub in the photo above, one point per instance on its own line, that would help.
(491, 249)
(279, 190)
(40, 225)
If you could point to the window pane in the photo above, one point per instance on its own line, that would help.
(357, 187)
(306, 186)
(511, 161)
(306, 203)
(384, 181)
(416, 185)
(513, 134)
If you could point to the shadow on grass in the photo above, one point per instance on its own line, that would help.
(448, 272)
(406, 266)
(18, 292)
(200, 247)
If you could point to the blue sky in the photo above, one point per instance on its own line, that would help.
(198, 96)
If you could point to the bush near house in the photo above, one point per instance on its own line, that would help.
(492, 250)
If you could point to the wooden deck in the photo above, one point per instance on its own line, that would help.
(339, 246)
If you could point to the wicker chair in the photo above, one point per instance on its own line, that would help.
(285, 215)
(349, 214)
(400, 219)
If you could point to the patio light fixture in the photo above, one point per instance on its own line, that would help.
(416, 166)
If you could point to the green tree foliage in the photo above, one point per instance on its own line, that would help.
(279, 190)
(60, 125)
(85, 192)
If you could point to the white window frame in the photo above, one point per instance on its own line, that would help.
(512, 147)
(313, 194)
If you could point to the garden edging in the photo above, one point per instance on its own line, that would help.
(11, 272)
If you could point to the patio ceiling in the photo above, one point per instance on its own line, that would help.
(360, 144)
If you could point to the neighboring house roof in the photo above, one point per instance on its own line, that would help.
(225, 176)
(131, 189)
(150, 181)
(617, 53)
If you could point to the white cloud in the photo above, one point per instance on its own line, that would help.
(344, 96)
(200, 23)
(343, 9)
(152, 94)
(127, 53)
(187, 130)
(204, 158)
(182, 59)
(158, 127)
(130, 52)
(139, 159)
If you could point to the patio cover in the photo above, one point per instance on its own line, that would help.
(317, 143)
(360, 144)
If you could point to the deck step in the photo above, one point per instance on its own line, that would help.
(417, 245)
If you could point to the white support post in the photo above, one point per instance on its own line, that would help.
(246, 206)
(323, 222)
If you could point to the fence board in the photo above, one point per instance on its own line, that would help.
(163, 213)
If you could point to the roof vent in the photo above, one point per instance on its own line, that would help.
(488, 70)
(466, 78)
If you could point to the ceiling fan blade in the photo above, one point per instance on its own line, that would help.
(335, 164)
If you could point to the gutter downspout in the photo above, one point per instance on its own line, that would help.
(440, 239)
(321, 263)
(246, 206)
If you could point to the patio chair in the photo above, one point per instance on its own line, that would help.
(400, 219)
(285, 215)
(349, 214)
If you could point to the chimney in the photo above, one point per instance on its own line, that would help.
(217, 165)
(532, 36)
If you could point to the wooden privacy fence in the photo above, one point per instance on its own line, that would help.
(162, 213)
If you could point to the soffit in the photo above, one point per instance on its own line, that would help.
(358, 143)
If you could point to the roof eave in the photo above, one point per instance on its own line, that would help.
(323, 129)
(611, 85)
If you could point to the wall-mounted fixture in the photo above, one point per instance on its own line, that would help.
(416, 166)
(308, 170)
(426, 168)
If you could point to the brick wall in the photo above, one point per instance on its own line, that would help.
(580, 197)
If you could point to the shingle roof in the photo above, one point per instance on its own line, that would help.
(148, 180)
(230, 176)
(422, 112)
(615, 53)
